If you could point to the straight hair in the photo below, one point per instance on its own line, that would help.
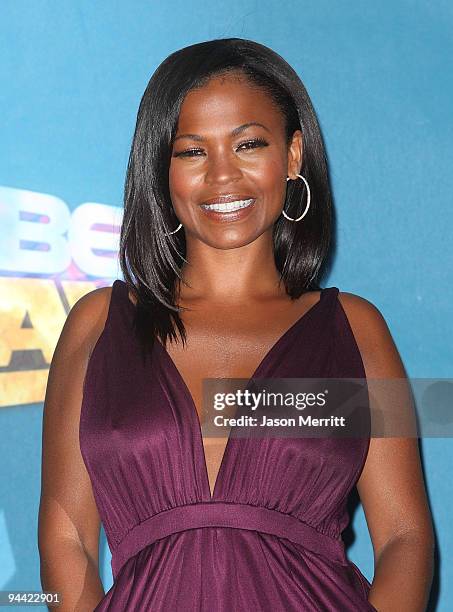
(151, 260)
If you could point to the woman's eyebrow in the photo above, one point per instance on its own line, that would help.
(234, 132)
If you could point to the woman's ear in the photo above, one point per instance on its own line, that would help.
(295, 154)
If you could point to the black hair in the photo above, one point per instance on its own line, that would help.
(150, 259)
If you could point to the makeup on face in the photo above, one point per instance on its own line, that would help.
(229, 160)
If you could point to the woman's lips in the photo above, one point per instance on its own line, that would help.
(229, 211)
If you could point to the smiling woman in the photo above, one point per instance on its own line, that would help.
(236, 172)
(226, 227)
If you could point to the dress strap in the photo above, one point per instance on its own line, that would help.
(329, 294)
(120, 307)
(120, 294)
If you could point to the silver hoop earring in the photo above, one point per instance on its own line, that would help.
(174, 231)
(308, 200)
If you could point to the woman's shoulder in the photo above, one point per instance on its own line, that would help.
(372, 334)
(87, 317)
(92, 306)
(360, 309)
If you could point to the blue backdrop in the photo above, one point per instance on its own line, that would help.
(72, 76)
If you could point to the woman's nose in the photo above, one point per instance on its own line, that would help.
(222, 169)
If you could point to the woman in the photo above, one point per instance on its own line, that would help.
(227, 220)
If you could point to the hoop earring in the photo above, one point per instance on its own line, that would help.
(174, 231)
(308, 200)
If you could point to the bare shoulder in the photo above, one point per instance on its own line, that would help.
(361, 309)
(87, 318)
(392, 470)
(372, 334)
(92, 303)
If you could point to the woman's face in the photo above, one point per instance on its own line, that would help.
(230, 146)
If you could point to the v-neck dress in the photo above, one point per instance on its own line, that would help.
(269, 537)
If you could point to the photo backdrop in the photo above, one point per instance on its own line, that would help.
(73, 74)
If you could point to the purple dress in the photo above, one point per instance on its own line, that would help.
(269, 538)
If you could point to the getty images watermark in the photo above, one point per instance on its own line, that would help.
(327, 407)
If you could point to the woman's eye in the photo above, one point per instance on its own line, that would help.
(186, 153)
(256, 142)
(249, 144)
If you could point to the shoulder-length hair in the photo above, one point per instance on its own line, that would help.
(150, 259)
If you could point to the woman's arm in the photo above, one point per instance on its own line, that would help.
(69, 524)
(391, 485)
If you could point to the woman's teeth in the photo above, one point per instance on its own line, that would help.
(228, 206)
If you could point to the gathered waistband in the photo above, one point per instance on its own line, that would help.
(224, 514)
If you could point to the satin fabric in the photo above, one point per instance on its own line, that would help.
(269, 538)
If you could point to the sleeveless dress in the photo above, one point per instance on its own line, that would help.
(269, 538)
